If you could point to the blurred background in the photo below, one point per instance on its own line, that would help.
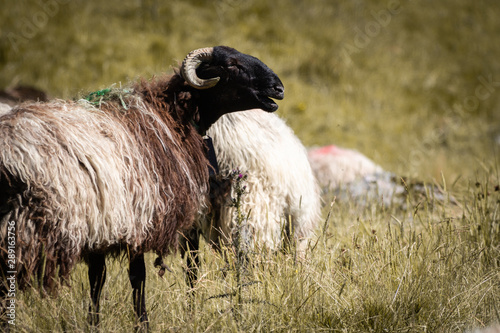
(414, 85)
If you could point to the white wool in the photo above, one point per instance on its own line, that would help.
(100, 184)
(489, 329)
(281, 185)
(335, 166)
(4, 108)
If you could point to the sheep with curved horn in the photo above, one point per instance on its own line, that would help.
(125, 170)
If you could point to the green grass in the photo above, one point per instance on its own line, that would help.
(411, 95)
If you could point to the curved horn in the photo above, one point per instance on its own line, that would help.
(191, 62)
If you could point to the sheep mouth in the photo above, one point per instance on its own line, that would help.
(268, 104)
(267, 101)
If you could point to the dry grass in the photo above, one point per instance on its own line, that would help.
(416, 91)
(435, 268)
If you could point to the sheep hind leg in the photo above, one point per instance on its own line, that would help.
(137, 276)
(190, 244)
(97, 277)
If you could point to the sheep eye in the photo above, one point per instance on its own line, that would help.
(238, 69)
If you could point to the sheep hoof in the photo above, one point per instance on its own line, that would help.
(159, 263)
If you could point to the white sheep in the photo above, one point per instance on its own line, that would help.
(353, 177)
(335, 166)
(282, 193)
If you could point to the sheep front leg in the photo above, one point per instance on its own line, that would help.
(137, 276)
(190, 245)
(97, 277)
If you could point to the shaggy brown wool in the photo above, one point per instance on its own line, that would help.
(128, 174)
(175, 106)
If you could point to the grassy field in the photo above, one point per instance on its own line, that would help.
(373, 270)
(414, 85)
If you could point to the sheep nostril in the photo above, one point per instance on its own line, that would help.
(280, 91)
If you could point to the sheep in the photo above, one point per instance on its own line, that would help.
(15, 95)
(281, 188)
(353, 177)
(335, 166)
(281, 185)
(123, 170)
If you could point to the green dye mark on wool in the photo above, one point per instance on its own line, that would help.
(97, 95)
(108, 94)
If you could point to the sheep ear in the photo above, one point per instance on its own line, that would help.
(191, 63)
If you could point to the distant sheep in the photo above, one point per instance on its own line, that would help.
(18, 94)
(124, 171)
(353, 177)
(334, 166)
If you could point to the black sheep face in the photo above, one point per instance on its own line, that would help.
(245, 83)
